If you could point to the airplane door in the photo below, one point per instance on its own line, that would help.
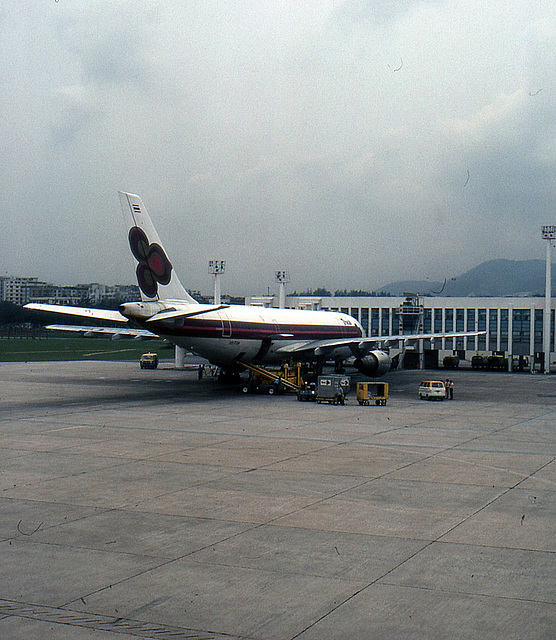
(226, 325)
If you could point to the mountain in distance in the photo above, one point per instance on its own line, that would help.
(491, 278)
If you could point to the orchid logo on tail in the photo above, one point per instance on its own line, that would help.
(154, 268)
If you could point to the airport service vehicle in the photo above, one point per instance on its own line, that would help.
(494, 362)
(270, 388)
(432, 390)
(332, 389)
(308, 393)
(376, 392)
(272, 381)
(478, 362)
(497, 362)
(148, 361)
(450, 362)
(228, 336)
(521, 363)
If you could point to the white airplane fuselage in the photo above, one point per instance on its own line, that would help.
(248, 333)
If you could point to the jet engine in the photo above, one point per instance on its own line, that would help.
(374, 364)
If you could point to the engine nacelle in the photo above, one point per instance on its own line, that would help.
(141, 310)
(374, 364)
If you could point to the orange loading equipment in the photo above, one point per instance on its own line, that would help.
(289, 377)
(368, 392)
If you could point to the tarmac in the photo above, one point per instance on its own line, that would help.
(149, 504)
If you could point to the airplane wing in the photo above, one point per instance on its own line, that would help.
(425, 336)
(115, 332)
(82, 312)
(360, 345)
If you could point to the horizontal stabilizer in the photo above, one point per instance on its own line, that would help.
(107, 331)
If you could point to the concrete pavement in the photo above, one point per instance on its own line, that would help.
(149, 504)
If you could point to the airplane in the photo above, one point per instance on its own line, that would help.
(224, 334)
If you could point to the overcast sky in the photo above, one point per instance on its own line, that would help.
(351, 142)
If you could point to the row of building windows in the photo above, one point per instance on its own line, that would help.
(518, 330)
(20, 291)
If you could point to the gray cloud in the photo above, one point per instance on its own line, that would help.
(278, 135)
(370, 13)
(111, 41)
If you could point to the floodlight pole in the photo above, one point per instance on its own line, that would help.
(282, 278)
(217, 268)
(548, 234)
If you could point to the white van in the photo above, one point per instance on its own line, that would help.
(432, 390)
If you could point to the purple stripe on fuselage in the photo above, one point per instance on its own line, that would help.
(240, 329)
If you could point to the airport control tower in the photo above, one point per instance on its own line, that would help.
(410, 315)
(410, 321)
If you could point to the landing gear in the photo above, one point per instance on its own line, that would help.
(339, 366)
(228, 377)
(319, 365)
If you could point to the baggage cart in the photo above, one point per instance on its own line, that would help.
(368, 392)
(332, 389)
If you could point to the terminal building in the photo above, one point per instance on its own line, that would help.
(513, 325)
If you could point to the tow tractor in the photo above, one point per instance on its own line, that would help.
(308, 393)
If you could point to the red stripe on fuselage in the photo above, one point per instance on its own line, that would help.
(243, 330)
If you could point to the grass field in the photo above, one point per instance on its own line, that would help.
(70, 348)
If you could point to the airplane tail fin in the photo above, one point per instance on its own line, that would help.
(155, 274)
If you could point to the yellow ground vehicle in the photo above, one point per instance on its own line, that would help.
(272, 381)
(149, 361)
(368, 392)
